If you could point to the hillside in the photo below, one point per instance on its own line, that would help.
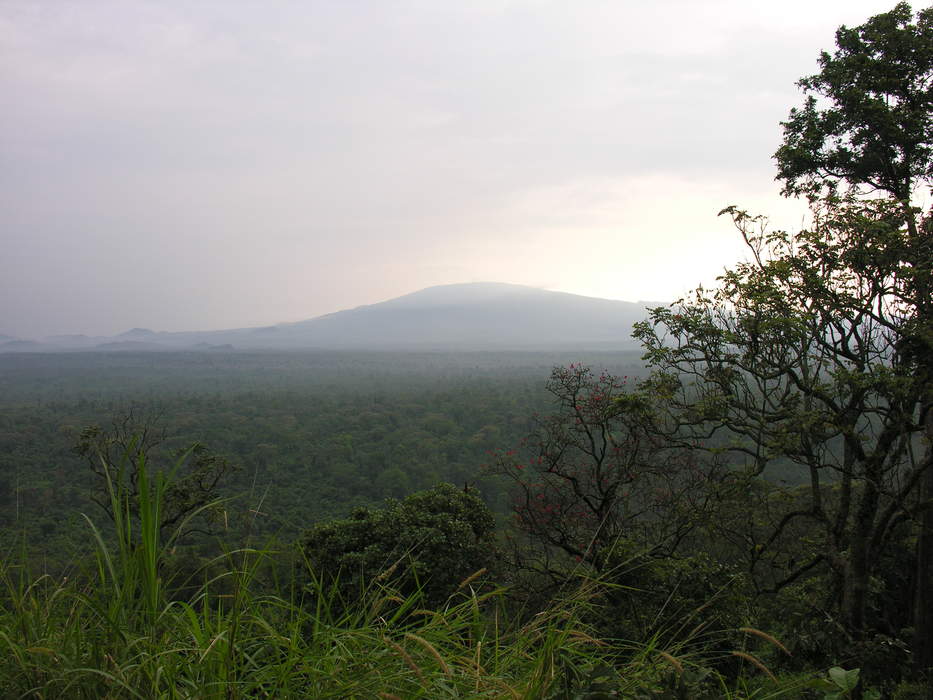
(475, 316)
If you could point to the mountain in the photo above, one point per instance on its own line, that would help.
(476, 316)
(137, 334)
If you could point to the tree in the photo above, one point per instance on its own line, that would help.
(867, 121)
(818, 350)
(795, 357)
(432, 540)
(114, 456)
(874, 130)
(597, 481)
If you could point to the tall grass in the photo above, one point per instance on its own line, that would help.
(118, 630)
(115, 631)
(59, 640)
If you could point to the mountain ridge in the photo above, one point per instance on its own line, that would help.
(463, 316)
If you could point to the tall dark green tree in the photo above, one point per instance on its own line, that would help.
(867, 123)
(818, 350)
(794, 358)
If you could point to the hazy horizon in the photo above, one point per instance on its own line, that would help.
(476, 316)
(129, 330)
(196, 166)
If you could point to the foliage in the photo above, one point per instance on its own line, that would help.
(817, 349)
(796, 356)
(868, 123)
(431, 541)
(840, 683)
(123, 639)
(868, 116)
(118, 456)
(600, 489)
(113, 631)
(595, 478)
(650, 508)
(316, 433)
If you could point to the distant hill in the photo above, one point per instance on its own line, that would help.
(476, 316)
(20, 346)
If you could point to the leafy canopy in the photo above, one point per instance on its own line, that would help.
(432, 541)
(868, 115)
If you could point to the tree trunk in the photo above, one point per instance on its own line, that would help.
(922, 243)
(923, 599)
(857, 571)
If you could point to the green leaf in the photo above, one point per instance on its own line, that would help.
(846, 680)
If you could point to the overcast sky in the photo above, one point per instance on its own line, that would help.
(183, 165)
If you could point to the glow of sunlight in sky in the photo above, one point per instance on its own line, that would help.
(218, 164)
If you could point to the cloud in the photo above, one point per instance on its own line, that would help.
(201, 165)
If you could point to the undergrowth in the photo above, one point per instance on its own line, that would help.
(119, 628)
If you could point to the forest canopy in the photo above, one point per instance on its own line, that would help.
(743, 509)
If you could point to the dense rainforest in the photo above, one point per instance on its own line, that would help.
(314, 443)
(743, 509)
(311, 434)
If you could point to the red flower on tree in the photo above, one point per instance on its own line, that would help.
(599, 469)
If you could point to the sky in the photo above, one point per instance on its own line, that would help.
(181, 165)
